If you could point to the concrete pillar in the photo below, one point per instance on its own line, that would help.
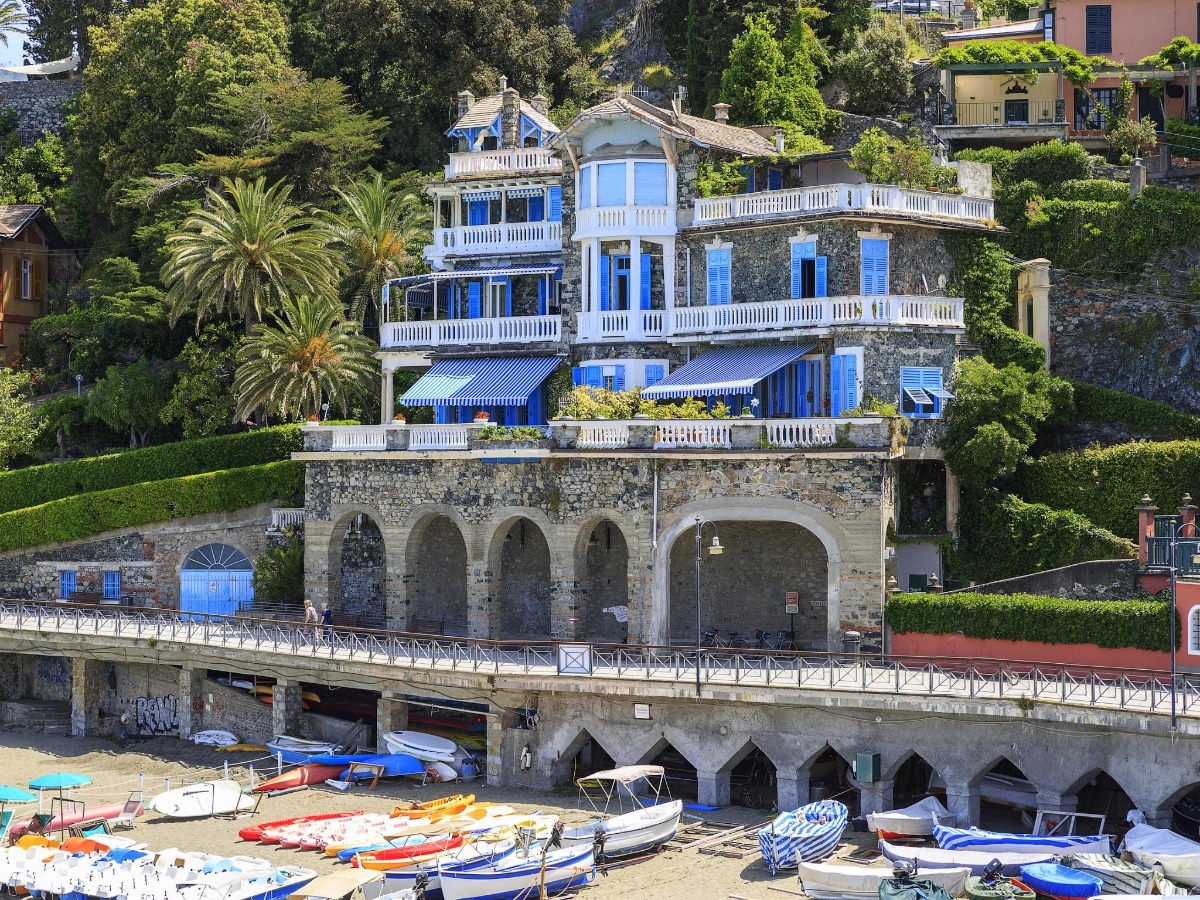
(387, 402)
(668, 255)
(319, 579)
(285, 707)
(592, 300)
(877, 796)
(962, 800)
(85, 697)
(1137, 177)
(1050, 801)
(953, 503)
(712, 788)
(1146, 511)
(391, 715)
(793, 790)
(496, 724)
(1033, 299)
(482, 613)
(191, 702)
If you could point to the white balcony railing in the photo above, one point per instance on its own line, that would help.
(464, 332)
(621, 325)
(625, 220)
(822, 312)
(286, 518)
(441, 437)
(844, 198)
(801, 432)
(523, 159)
(603, 435)
(686, 433)
(508, 237)
(347, 438)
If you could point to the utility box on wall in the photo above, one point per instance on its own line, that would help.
(866, 768)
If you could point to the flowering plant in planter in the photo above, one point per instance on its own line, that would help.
(314, 419)
(399, 419)
(481, 416)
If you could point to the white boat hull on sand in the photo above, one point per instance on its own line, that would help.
(916, 820)
(976, 861)
(829, 881)
(633, 832)
(521, 877)
(425, 747)
(203, 799)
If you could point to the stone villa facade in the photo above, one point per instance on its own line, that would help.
(586, 256)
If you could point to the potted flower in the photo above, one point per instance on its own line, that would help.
(398, 419)
(482, 416)
(314, 419)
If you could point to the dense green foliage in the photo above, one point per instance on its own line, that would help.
(202, 400)
(1144, 624)
(279, 573)
(17, 426)
(883, 159)
(1183, 138)
(84, 515)
(769, 82)
(1077, 68)
(1003, 536)
(875, 69)
(37, 173)
(1048, 164)
(1100, 404)
(1105, 484)
(22, 488)
(130, 399)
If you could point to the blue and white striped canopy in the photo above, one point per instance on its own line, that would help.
(481, 381)
(808, 834)
(725, 370)
(1003, 842)
(526, 192)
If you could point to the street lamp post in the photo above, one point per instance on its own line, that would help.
(715, 550)
(1178, 528)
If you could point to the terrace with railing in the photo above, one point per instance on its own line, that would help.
(521, 330)
(503, 162)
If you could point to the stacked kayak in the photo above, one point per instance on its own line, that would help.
(202, 800)
(259, 831)
(312, 773)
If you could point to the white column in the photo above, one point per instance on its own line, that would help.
(668, 255)
(386, 400)
(636, 331)
(503, 207)
(593, 298)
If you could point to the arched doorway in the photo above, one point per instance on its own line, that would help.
(831, 778)
(215, 580)
(753, 780)
(1099, 794)
(1007, 798)
(524, 591)
(363, 569)
(440, 564)
(605, 583)
(682, 778)
(912, 781)
(583, 756)
(744, 588)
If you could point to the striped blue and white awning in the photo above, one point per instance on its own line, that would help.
(481, 195)
(526, 192)
(481, 381)
(725, 370)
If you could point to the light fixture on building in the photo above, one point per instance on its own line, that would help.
(716, 549)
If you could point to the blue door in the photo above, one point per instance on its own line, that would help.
(216, 580)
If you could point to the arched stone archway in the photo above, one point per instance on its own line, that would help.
(362, 571)
(437, 586)
(602, 564)
(521, 560)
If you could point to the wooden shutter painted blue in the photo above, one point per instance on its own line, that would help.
(800, 252)
(801, 405)
(478, 212)
(510, 415)
(874, 267)
(605, 263)
(593, 376)
(537, 209)
(718, 277)
(835, 385)
(774, 179)
(650, 184)
(619, 378)
(473, 295)
(555, 204)
(610, 184)
(1098, 29)
(585, 188)
(822, 269)
(645, 281)
(439, 415)
(507, 295)
(543, 296)
(654, 374)
(577, 376)
(850, 392)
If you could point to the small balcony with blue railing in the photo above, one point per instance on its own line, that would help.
(1174, 539)
(495, 220)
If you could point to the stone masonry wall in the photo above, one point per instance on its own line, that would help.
(38, 105)
(362, 573)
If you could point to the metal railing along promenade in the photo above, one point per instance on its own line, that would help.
(1140, 691)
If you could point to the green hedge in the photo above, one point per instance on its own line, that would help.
(1144, 624)
(1003, 536)
(1100, 404)
(85, 515)
(1105, 484)
(21, 488)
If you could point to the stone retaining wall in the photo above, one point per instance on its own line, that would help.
(38, 105)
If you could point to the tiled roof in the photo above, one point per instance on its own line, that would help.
(15, 217)
(483, 112)
(996, 32)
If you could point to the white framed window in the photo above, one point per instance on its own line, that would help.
(719, 271)
(26, 279)
(922, 395)
(620, 375)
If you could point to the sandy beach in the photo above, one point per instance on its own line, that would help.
(671, 875)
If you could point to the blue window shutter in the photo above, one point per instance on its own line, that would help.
(835, 385)
(645, 281)
(537, 209)
(654, 374)
(577, 376)
(593, 376)
(874, 267)
(510, 415)
(619, 378)
(774, 179)
(850, 394)
(543, 297)
(473, 294)
(822, 269)
(507, 295)
(726, 291)
(610, 184)
(555, 204)
(748, 172)
(718, 277)
(478, 212)
(605, 264)
(439, 415)
(802, 389)
(650, 184)
(112, 585)
(800, 251)
(931, 380)
(585, 188)
(1098, 29)
(66, 584)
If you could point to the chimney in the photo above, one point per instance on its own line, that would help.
(465, 101)
(541, 103)
(721, 112)
(1145, 511)
(779, 140)
(503, 83)
(510, 115)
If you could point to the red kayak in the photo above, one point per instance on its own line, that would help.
(313, 773)
(255, 832)
(395, 854)
(81, 813)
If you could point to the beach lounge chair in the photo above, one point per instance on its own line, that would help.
(128, 816)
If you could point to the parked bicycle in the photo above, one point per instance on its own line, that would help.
(714, 641)
(774, 640)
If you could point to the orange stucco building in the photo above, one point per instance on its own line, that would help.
(28, 237)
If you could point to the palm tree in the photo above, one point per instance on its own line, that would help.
(249, 248)
(12, 19)
(379, 233)
(311, 353)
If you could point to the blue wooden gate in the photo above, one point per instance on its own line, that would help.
(216, 580)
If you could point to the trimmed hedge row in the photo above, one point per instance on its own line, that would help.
(1100, 404)
(1003, 537)
(1105, 484)
(85, 515)
(1144, 624)
(22, 488)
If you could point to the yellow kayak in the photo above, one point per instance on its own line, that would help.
(242, 748)
(411, 809)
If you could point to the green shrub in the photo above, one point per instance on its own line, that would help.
(85, 515)
(1190, 145)
(1105, 484)
(1143, 624)
(1100, 404)
(657, 76)
(1095, 189)
(1048, 164)
(40, 484)
(511, 433)
(1003, 536)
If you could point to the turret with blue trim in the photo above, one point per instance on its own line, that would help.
(501, 121)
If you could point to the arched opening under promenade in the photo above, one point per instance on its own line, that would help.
(1100, 795)
(753, 778)
(831, 778)
(745, 588)
(362, 572)
(604, 584)
(1184, 809)
(438, 596)
(582, 757)
(912, 781)
(682, 778)
(1007, 799)
(524, 590)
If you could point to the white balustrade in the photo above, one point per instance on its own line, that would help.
(286, 518)
(625, 220)
(521, 159)
(358, 438)
(499, 238)
(689, 433)
(461, 332)
(621, 325)
(603, 435)
(440, 437)
(821, 312)
(842, 198)
(801, 432)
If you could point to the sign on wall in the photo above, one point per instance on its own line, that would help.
(791, 603)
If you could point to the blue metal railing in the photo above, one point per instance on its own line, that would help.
(1187, 559)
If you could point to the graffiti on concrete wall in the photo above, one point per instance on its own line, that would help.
(157, 715)
(53, 670)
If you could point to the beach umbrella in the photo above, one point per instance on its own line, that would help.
(58, 781)
(14, 795)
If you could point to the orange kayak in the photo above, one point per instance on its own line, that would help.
(416, 810)
(313, 773)
(399, 856)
